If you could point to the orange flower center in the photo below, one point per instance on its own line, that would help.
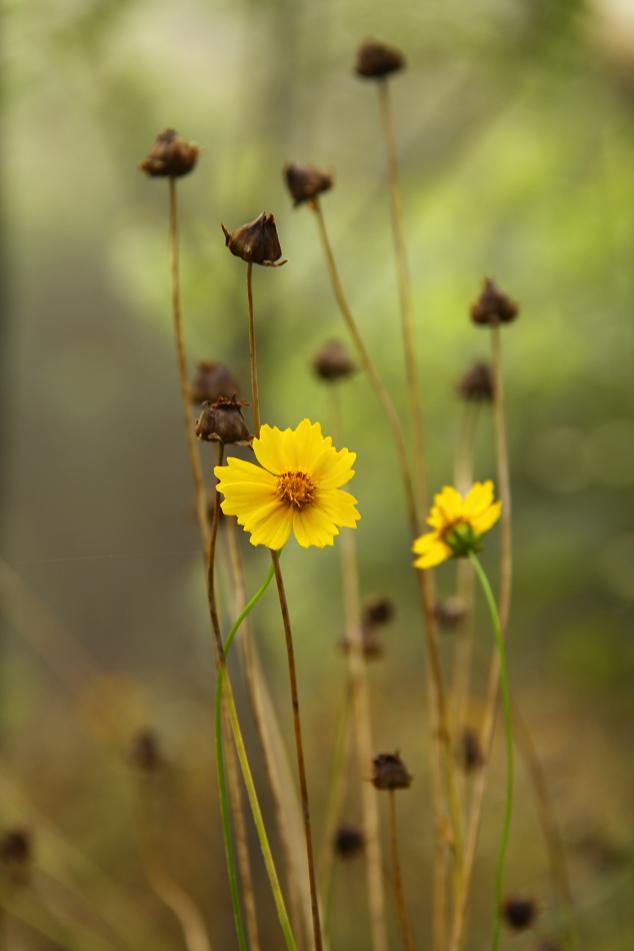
(295, 489)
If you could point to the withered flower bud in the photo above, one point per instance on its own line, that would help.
(145, 752)
(305, 182)
(211, 381)
(390, 772)
(256, 242)
(476, 385)
(377, 612)
(223, 422)
(348, 842)
(376, 60)
(449, 613)
(519, 913)
(16, 853)
(170, 156)
(332, 362)
(470, 752)
(493, 306)
(371, 646)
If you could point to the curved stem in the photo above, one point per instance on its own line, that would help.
(255, 396)
(508, 728)
(299, 749)
(194, 460)
(405, 291)
(398, 878)
(223, 683)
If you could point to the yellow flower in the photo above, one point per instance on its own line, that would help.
(296, 487)
(457, 524)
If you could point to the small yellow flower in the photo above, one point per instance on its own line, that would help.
(296, 487)
(457, 524)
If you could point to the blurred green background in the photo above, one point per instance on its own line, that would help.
(516, 136)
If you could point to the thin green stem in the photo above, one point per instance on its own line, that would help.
(246, 770)
(508, 729)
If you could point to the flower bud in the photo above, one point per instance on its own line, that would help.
(211, 381)
(390, 772)
(376, 60)
(519, 913)
(377, 611)
(449, 613)
(223, 422)
(305, 182)
(470, 753)
(348, 841)
(476, 385)
(493, 306)
(170, 156)
(145, 752)
(256, 242)
(16, 853)
(333, 362)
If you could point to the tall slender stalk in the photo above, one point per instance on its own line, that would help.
(287, 815)
(404, 290)
(504, 601)
(398, 877)
(508, 726)
(442, 761)
(290, 651)
(183, 377)
(207, 542)
(362, 722)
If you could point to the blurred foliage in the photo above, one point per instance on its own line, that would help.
(517, 146)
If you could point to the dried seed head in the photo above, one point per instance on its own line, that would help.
(476, 385)
(332, 362)
(305, 182)
(470, 753)
(449, 613)
(256, 242)
(223, 422)
(519, 913)
(493, 306)
(390, 772)
(348, 841)
(211, 381)
(376, 60)
(16, 854)
(377, 611)
(145, 752)
(370, 645)
(170, 156)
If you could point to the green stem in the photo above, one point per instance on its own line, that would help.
(506, 707)
(248, 782)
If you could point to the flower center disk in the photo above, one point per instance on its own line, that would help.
(295, 489)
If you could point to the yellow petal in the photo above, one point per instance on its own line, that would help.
(239, 470)
(482, 523)
(478, 498)
(339, 506)
(271, 450)
(446, 509)
(423, 542)
(272, 528)
(432, 553)
(333, 468)
(313, 527)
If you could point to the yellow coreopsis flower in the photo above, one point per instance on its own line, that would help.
(457, 524)
(296, 487)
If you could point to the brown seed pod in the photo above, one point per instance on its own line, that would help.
(332, 362)
(170, 156)
(519, 913)
(305, 182)
(493, 306)
(348, 841)
(470, 752)
(377, 611)
(145, 752)
(211, 381)
(223, 422)
(256, 242)
(16, 855)
(376, 60)
(371, 646)
(449, 613)
(476, 385)
(390, 772)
